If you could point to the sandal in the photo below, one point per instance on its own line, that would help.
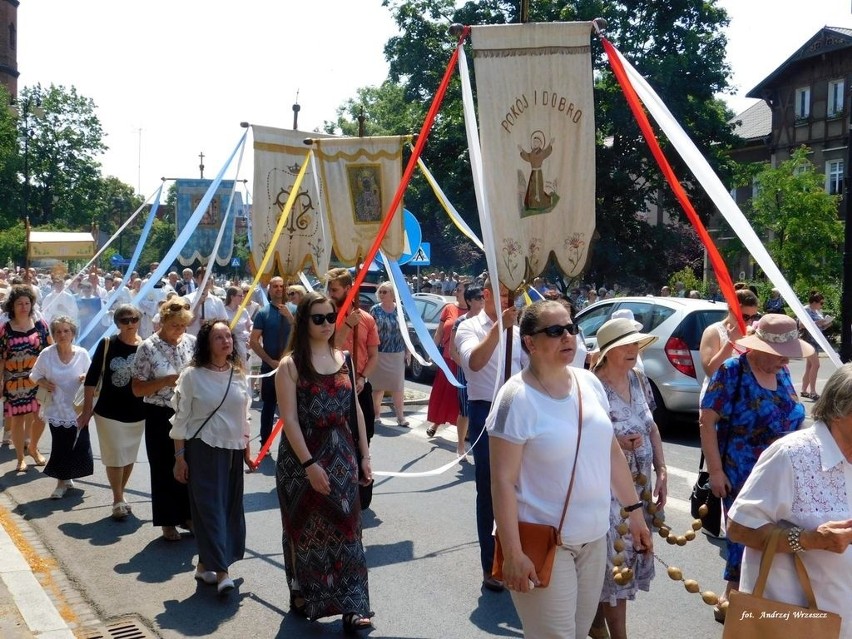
(21, 467)
(38, 458)
(298, 605)
(401, 421)
(353, 622)
(720, 610)
(170, 533)
(120, 510)
(432, 430)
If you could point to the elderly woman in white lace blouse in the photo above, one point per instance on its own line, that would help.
(800, 483)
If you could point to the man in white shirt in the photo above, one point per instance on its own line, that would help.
(203, 304)
(477, 341)
(59, 302)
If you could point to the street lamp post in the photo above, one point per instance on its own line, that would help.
(846, 297)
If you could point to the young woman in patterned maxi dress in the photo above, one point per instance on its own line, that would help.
(317, 473)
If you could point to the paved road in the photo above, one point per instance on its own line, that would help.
(421, 549)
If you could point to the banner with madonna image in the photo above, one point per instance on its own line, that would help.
(360, 177)
(536, 125)
(188, 195)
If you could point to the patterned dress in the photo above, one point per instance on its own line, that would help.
(628, 419)
(323, 554)
(750, 419)
(20, 349)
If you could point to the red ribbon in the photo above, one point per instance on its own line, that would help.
(726, 285)
(264, 450)
(406, 177)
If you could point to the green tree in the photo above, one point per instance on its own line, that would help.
(799, 222)
(10, 189)
(13, 243)
(679, 50)
(114, 202)
(63, 144)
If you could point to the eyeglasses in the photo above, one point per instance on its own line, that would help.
(556, 330)
(319, 318)
(176, 306)
(748, 318)
(128, 320)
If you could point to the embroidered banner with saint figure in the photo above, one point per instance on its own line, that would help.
(536, 124)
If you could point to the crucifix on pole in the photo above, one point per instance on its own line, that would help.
(201, 166)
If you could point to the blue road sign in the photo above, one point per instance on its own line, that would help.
(412, 236)
(423, 256)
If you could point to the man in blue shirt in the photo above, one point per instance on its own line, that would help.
(268, 339)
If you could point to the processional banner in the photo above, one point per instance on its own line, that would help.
(536, 123)
(278, 157)
(360, 176)
(188, 195)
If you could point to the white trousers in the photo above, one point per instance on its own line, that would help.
(567, 607)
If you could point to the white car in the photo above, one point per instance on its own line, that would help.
(673, 362)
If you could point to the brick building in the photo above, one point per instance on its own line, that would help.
(9, 45)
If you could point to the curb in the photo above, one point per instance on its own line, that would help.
(17, 574)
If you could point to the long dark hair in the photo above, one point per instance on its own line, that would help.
(299, 345)
(201, 356)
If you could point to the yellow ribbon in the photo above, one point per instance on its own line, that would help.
(285, 213)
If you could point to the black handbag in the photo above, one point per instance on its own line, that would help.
(703, 496)
(365, 492)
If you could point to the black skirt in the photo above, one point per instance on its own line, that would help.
(69, 460)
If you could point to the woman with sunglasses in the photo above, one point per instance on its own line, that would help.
(550, 433)
(717, 341)
(119, 414)
(631, 403)
(159, 361)
(317, 472)
(389, 374)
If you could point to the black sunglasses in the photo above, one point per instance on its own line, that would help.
(556, 330)
(177, 306)
(748, 318)
(319, 318)
(128, 320)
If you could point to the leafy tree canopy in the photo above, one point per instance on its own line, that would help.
(803, 233)
(679, 48)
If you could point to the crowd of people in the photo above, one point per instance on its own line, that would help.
(566, 440)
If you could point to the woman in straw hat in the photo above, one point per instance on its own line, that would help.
(537, 421)
(749, 403)
(631, 403)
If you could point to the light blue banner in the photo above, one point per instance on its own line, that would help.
(200, 244)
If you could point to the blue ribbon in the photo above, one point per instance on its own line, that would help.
(426, 340)
(137, 252)
(190, 227)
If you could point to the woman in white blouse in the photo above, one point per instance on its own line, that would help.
(801, 484)
(61, 369)
(210, 430)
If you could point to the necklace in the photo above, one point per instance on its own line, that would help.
(218, 368)
(540, 383)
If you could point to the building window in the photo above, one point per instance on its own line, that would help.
(834, 177)
(803, 103)
(835, 98)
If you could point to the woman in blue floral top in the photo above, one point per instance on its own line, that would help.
(749, 404)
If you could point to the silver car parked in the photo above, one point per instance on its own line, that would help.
(673, 362)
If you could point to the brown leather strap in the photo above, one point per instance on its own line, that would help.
(576, 454)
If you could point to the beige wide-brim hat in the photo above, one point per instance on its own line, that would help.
(619, 332)
(777, 334)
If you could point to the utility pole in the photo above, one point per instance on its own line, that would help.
(846, 296)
